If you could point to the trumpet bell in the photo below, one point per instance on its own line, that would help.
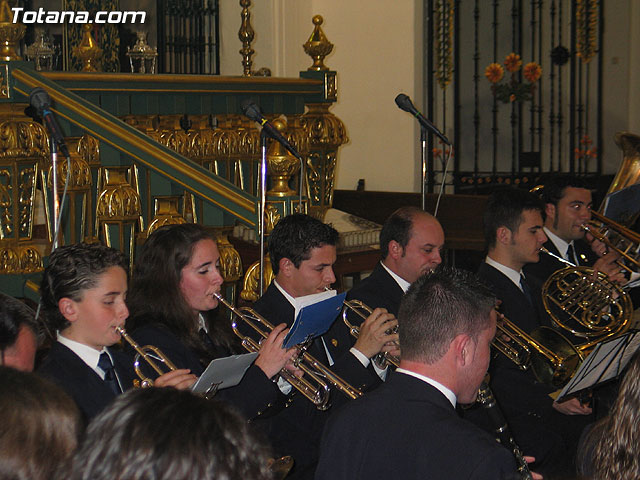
(568, 356)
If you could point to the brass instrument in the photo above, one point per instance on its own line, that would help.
(587, 305)
(551, 356)
(149, 354)
(382, 359)
(317, 390)
(618, 238)
(501, 429)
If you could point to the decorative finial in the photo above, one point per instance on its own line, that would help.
(281, 165)
(10, 33)
(318, 47)
(246, 34)
(88, 51)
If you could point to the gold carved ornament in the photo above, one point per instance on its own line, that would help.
(118, 200)
(251, 284)
(587, 28)
(230, 261)
(317, 46)
(10, 34)
(88, 51)
(165, 213)
(443, 20)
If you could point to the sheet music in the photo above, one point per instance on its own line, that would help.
(224, 372)
(605, 362)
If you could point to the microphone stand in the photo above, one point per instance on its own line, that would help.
(263, 201)
(53, 147)
(423, 145)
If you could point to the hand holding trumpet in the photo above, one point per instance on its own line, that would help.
(272, 357)
(378, 333)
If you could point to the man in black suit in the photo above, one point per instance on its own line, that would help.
(513, 233)
(408, 428)
(567, 205)
(302, 251)
(411, 241)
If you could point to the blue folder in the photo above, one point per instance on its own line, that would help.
(314, 320)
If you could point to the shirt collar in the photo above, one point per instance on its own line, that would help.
(289, 298)
(444, 390)
(404, 285)
(89, 355)
(508, 272)
(559, 243)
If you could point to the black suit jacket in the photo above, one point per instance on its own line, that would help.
(378, 290)
(548, 265)
(407, 429)
(253, 394)
(296, 430)
(81, 382)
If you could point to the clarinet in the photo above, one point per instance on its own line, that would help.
(501, 429)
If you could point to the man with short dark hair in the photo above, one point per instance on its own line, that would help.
(411, 241)
(408, 428)
(567, 204)
(302, 251)
(18, 334)
(544, 428)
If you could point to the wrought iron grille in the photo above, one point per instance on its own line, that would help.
(188, 36)
(512, 130)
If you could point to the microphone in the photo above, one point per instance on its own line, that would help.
(251, 110)
(404, 102)
(39, 99)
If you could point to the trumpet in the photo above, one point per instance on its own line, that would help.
(316, 387)
(382, 359)
(149, 354)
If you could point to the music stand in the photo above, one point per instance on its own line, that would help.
(607, 360)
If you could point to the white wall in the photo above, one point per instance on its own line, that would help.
(370, 38)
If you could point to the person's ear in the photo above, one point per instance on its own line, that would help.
(503, 235)
(464, 349)
(285, 266)
(68, 308)
(550, 211)
(395, 249)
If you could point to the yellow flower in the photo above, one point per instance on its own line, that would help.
(513, 62)
(494, 72)
(532, 72)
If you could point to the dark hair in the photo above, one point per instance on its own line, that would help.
(295, 236)
(398, 227)
(617, 452)
(554, 187)
(154, 292)
(40, 426)
(73, 269)
(504, 209)
(13, 316)
(168, 434)
(438, 307)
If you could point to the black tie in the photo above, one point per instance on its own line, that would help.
(571, 253)
(109, 373)
(525, 289)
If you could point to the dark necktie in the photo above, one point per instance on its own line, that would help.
(109, 373)
(525, 289)
(571, 253)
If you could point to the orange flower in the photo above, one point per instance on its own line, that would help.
(532, 72)
(512, 98)
(494, 72)
(513, 62)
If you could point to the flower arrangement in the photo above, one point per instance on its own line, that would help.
(513, 90)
